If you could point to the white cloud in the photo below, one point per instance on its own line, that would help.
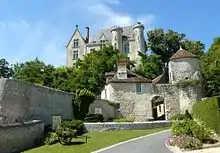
(109, 17)
(22, 40)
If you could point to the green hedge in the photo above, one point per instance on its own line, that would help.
(207, 111)
(94, 118)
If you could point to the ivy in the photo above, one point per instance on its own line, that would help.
(187, 83)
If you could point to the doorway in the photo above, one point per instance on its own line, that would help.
(158, 108)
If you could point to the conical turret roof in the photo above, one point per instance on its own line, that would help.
(181, 53)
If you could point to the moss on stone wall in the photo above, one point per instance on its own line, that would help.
(186, 83)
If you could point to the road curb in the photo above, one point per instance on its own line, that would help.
(171, 148)
(123, 142)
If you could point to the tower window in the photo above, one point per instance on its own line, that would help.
(75, 54)
(115, 46)
(102, 44)
(126, 48)
(75, 43)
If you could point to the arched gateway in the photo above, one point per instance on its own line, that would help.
(158, 108)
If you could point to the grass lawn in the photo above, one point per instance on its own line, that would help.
(96, 140)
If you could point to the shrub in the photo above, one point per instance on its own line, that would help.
(191, 128)
(184, 116)
(185, 141)
(51, 138)
(207, 111)
(110, 119)
(65, 135)
(183, 127)
(124, 120)
(94, 118)
(77, 125)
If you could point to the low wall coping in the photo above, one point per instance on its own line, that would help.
(28, 123)
(128, 122)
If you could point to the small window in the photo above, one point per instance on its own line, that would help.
(138, 87)
(102, 44)
(115, 46)
(126, 48)
(75, 54)
(117, 106)
(75, 43)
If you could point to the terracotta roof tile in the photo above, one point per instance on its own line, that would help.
(183, 54)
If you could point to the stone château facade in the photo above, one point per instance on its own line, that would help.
(129, 40)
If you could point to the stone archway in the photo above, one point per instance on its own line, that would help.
(158, 108)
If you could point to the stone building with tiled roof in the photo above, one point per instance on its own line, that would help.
(145, 99)
(129, 40)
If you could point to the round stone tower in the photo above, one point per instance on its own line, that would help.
(183, 65)
(139, 37)
(117, 37)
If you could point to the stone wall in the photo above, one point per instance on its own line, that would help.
(170, 93)
(139, 105)
(113, 126)
(19, 136)
(132, 104)
(107, 110)
(21, 101)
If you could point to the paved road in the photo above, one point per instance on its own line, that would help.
(150, 144)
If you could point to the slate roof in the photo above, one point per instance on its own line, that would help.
(131, 78)
(161, 79)
(181, 53)
(127, 31)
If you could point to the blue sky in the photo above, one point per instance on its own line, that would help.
(41, 28)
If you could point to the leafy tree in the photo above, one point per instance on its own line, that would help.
(165, 44)
(150, 66)
(90, 75)
(34, 71)
(91, 71)
(64, 79)
(211, 69)
(6, 70)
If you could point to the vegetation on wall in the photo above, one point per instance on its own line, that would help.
(187, 83)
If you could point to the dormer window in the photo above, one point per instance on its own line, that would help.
(75, 43)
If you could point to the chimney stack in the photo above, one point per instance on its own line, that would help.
(122, 69)
(87, 34)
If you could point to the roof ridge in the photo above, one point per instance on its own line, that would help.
(181, 53)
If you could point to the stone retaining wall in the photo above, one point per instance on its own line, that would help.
(19, 136)
(21, 101)
(114, 126)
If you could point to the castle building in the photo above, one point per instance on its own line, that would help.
(144, 99)
(129, 40)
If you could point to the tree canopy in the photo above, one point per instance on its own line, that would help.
(211, 69)
(162, 45)
(165, 44)
(6, 70)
